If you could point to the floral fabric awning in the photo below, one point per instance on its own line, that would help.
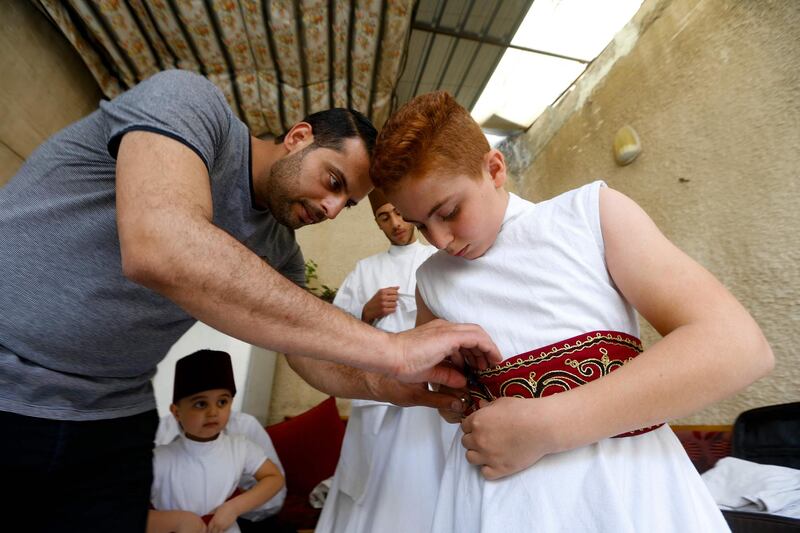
(275, 60)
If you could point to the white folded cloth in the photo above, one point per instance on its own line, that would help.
(747, 486)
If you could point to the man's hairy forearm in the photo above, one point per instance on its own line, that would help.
(346, 382)
(220, 282)
(334, 379)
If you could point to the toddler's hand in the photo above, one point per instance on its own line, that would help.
(224, 517)
(509, 435)
(190, 523)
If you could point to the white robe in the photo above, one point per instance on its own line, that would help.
(238, 424)
(199, 476)
(544, 280)
(388, 474)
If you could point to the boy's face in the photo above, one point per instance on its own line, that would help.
(456, 213)
(398, 231)
(203, 415)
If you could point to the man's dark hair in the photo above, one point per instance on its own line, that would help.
(332, 126)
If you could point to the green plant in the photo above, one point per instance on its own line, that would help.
(320, 290)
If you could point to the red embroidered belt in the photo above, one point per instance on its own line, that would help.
(557, 368)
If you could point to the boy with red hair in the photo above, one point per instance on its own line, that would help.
(573, 419)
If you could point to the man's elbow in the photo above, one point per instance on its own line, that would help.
(144, 265)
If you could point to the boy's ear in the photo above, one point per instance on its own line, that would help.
(495, 164)
(297, 138)
(174, 410)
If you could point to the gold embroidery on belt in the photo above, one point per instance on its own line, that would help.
(561, 351)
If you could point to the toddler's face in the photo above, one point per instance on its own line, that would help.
(458, 214)
(205, 414)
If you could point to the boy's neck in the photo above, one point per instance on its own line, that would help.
(199, 439)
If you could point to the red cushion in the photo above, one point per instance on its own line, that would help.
(308, 446)
(705, 448)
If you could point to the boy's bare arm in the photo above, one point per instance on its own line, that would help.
(711, 349)
(169, 244)
(711, 346)
(424, 314)
(270, 481)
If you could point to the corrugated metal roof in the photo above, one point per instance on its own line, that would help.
(455, 45)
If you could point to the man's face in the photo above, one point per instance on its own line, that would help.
(313, 184)
(205, 414)
(398, 231)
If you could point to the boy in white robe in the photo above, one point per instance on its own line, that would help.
(569, 434)
(388, 474)
(195, 476)
(245, 424)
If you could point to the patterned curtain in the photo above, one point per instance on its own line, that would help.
(275, 60)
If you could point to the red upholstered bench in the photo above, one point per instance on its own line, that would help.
(705, 445)
(308, 446)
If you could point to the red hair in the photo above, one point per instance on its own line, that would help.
(432, 131)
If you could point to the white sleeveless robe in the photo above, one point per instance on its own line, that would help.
(545, 280)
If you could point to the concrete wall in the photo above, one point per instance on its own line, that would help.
(44, 85)
(713, 89)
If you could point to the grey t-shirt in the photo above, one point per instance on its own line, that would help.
(78, 341)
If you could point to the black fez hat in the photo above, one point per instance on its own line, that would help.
(203, 370)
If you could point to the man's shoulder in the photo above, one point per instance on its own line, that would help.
(180, 78)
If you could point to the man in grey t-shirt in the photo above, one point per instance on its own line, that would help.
(121, 230)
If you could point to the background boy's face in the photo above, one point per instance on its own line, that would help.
(398, 231)
(203, 415)
(456, 213)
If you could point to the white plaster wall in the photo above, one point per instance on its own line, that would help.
(713, 88)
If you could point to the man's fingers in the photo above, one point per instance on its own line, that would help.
(446, 374)
(473, 339)
(457, 359)
(442, 401)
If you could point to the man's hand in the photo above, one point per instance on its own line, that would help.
(510, 434)
(386, 389)
(423, 350)
(383, 303)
